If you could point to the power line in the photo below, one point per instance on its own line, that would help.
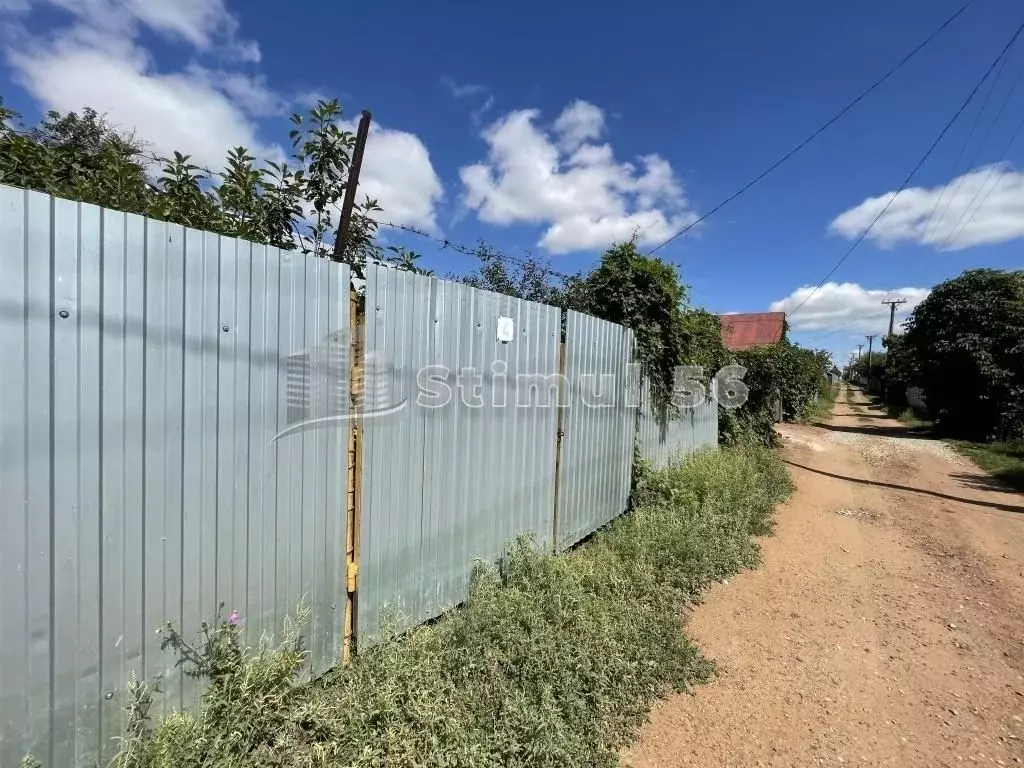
(818, 132)
(977, 151)
(958, 227)
(913, 172)
(963, 150)
(842, 327)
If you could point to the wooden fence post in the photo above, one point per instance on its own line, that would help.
(355, 480)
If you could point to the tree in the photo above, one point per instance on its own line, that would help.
(84, 157)
(783, 370)
(644, 294)
(528, 278)
(964, 345)
(81, 156)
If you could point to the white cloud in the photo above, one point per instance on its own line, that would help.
(397, 171)
(183, 111)
(472, 92)
(575, 187)
(96, 61)
(205, 24)
(846, 306)
(981, 207)
(251, 94)
(579, 122)
(460, 91)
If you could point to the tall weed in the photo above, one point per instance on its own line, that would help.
(551, 661)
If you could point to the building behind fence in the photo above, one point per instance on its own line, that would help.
(177, 431)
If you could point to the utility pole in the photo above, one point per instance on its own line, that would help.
(893, 303)
(353, 182)
(860, 352)
(871, 340)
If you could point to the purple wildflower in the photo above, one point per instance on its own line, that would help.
(233, 618)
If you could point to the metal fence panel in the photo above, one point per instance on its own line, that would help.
(149, 463)
(599, 425)
(663, 441)
(445, 485)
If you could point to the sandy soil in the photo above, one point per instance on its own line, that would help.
(886, 626)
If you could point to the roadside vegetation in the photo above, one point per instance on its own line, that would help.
(820, 409)
(552, 660)
(1004, 461)
(910, 417)
(962, 346)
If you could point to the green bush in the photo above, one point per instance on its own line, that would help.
(551, 661)
(963, 347)
(783, 371)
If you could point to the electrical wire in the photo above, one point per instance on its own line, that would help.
(974, 157)
(958, 227)
(899, 65)
(826, 334)
(957, 172)
(910, 176)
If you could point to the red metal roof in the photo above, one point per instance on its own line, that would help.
(752, 329)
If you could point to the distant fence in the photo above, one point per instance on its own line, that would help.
(916, 399)
(662, 439)
(179, 427)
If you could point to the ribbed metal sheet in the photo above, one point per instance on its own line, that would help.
(744, 330)
(663, 441)
(144, 381)
(443, 486)
(599, 426)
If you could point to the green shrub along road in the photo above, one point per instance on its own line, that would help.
(552, 660)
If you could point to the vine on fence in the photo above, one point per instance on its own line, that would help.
(646, 294)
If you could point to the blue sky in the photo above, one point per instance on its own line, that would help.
(560, 127)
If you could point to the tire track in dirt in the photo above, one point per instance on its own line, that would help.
(885, 627)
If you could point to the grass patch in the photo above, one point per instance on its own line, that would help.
(1001, 460)
(905, 414)
(911, 418)
(820, 410)
(552, 660)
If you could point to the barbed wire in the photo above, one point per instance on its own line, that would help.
(447, 244)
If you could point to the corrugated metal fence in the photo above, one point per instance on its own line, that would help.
(176, 430)
(147, 371)
(458, 447)
(599, 427)
(662, 440)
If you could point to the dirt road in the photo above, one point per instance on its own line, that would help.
(886, 626)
